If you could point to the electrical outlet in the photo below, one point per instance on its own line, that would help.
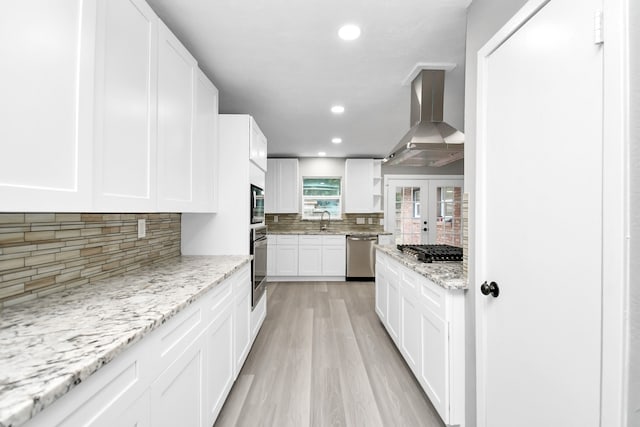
(381, 221)
(275, 218)
(360, 221)
(370, 221)
(142, 228)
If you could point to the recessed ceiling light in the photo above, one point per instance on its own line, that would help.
(322, 154)
(349, 32)
(337, 109)
(336, 140)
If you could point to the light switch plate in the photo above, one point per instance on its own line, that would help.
(359, 220)
(142, 228)
(275, 218)
(381, 221)
(370, 221)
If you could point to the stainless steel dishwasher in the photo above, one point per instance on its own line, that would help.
(361, 257)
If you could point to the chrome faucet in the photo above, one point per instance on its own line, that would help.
(323, 226)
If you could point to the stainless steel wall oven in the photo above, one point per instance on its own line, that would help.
(258, 248)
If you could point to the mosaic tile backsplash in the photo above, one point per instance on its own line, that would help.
(42, 253)
(348, 223)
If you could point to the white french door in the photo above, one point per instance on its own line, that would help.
(424, 211)
(539, 219)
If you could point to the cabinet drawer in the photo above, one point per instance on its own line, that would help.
(433, 296)
(334, 240)
(312, 239)
(178, 333)
(286, 239)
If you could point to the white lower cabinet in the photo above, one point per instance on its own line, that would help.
(219, 372)
(177, 396)
(426, 322)
(287, 260)
(242, 320)
(138, 414)
(178, 375)
(434, 365)
(393, 301)
(309, 260)
(381, 289)
(307, 257)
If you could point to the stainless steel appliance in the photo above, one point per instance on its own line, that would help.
(257, 205)
(361, 257)
(430, 253)
(258, 248)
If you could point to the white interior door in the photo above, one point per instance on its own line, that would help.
(539, 219)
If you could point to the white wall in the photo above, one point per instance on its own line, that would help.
(484, 19)
(634, 255)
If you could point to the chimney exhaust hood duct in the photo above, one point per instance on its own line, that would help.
(430, 141)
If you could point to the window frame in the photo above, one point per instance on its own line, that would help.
(339, 197)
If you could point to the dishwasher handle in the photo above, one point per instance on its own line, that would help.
(362, 238)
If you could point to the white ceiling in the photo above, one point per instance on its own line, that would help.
(282, 62)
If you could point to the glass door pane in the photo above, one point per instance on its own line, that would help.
(447, 197)
(406, 207)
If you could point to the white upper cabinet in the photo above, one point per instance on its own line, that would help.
(205, 146)
(258, 147)
(47, 105)
(103, 110)
(126, 81)
(281, 192)
(176, 105)
(359, 186)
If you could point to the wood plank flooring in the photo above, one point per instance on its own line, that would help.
(322, 359)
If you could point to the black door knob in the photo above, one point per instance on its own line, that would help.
(491, 288)
(425, 223)
(425, 229)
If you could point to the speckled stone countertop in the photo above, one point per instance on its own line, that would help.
(49, 345)
(447, 274)
(332, 232)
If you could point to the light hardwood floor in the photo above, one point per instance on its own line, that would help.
(322, 359)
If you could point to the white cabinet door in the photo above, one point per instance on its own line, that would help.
(258, 314)
(309, 260)
(176, 103)
(282, 186)
(333, 260)
(138, 414)
(410, 329)
(126, 96)
(177, 394)
(358, 185)
(47, 105)
(219, 369)
(381, 287)
(205, 146)
(271, 186)
(287, 260)
(242, 327)
(434, 366)
(393, 300)
(258, 147)
(287, 194)
(271, 257)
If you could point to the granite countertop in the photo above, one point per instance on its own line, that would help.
(50, 344)
(447, 274)
(332, 232)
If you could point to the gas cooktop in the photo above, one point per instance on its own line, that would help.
(430, 253)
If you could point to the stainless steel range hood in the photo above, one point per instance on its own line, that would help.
(430, 141)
